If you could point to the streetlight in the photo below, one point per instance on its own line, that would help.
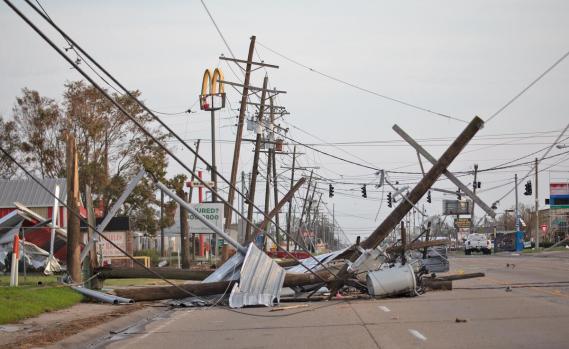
(562, 146)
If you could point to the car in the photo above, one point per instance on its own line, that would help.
(477, 243)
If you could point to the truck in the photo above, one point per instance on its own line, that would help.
(477, 243)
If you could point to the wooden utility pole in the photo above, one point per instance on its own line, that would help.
(304, 209)
(184, 233)
(193, 235)
(403, 242)
(274, 169)
(289, 216)
(95, 283)
(239, 135)
(423, 186)
(268, 192)
(162, 237)
(255, 170)
(73, 203)
(474, 191)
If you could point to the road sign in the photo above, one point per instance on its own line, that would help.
(197, 184)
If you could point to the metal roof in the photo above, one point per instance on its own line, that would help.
(260, 283)
(29, 193)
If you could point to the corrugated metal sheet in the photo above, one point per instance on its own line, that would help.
(30, 193)
(260, 283)
(228, 271)
(312, 264)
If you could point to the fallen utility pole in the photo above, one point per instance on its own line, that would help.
(281, 203)
(423, 186)
(255, 171)
(212, 288)
(168, 273)
(447, 173)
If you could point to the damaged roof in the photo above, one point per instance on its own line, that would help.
(29, 193)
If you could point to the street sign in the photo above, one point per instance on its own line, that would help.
(212, 211)
(197, 184)
(462, 223)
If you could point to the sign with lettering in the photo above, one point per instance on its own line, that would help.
(212, 212)
(117, 237)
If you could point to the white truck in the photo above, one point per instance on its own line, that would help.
(477, 243)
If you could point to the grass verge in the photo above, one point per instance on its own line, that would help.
(30, 299)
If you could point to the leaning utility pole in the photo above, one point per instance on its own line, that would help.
(274, 169)
(424, 184)
(268, 190)
(474, 191)
(255, 171)
(73, 230)
(289, 216)
(239, 135)
(536, 208)
(242, 109)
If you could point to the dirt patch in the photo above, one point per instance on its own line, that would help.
(45, 332)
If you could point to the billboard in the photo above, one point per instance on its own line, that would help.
(462, 223)
(456, 207)
(212, 211)
(558, 188)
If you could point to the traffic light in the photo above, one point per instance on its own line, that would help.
(458, 196)
(528, 188)
(364, 191)
(389, 200)
(330, 190)
(476, 185)
(429, 197)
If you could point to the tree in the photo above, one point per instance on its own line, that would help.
(10, 143)
(110, 147)
(39, 128)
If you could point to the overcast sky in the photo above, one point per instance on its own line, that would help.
(460, 58)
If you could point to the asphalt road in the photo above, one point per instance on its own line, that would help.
(490, 316)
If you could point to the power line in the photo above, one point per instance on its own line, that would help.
(528, 87)
(361, 88)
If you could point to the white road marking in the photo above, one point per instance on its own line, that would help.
(417, 335)
(384, 308)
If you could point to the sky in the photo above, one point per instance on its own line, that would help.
(457, 58)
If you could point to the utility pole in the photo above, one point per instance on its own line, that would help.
(517, 212)
(536, 207)
(304, 206)
(333, 224)
(255, 171)
(242, 207)
(73, 230)
(289, 216)
(162, 238)
(474, 191)
(213, 163)
(275, 183)
(193, 235)
(268, 191)
(239, 135)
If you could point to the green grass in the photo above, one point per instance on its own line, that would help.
(555, 249)
(29, 299)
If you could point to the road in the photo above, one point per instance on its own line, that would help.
(488, 316)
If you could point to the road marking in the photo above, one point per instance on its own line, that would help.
(384, 308)
(417, 335)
